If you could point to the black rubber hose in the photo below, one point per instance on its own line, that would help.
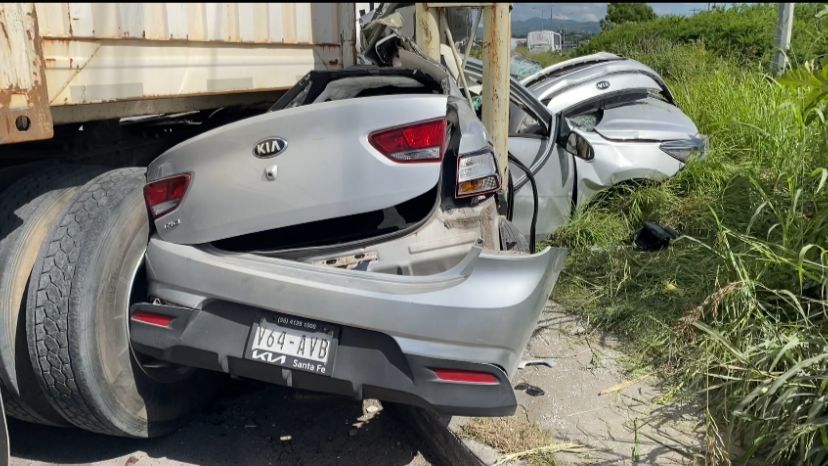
(531, 178)
(510, 199)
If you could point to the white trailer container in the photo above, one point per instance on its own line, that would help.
(543, 41)
(75, 62)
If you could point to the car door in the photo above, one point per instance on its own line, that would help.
(532, 130)
(532, 142)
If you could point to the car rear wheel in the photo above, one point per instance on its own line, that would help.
(88, 272)
(28, 208)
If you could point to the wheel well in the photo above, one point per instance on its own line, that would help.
(621, 186)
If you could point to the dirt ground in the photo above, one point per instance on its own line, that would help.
(586, 400)
(253, 424)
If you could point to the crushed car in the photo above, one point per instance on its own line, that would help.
(587, 124)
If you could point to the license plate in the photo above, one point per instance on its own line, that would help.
(293, 342)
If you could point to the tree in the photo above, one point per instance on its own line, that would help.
(620, 13)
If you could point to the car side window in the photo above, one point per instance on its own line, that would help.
(523, 123)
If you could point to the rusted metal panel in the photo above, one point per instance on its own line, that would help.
(347, 33)
(428, 30)
(118, 54)
(24, 106)
(90, 71)
(108, 52)
(266, 23)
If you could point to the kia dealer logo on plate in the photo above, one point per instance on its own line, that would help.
(602, 85)
(269, 147)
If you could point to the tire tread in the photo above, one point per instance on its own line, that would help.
(50, 298)
(36, 184)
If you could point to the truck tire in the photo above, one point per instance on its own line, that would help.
(78, 325)
(28, 207)
(10, 174)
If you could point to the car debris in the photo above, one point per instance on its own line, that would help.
(531, 390)
(548, 362)
(653, 237)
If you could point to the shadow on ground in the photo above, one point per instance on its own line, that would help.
(251, 424)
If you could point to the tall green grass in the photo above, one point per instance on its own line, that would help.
(735, 312)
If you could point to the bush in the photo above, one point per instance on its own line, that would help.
(743, 33)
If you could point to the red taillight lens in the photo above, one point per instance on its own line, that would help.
(163, 196)
(159, 320)
(473, 377)
(418, 142)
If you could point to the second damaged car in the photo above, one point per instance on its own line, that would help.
(349, 240)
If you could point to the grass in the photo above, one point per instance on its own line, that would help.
(544, 58)
(735, 312)
(517, 440)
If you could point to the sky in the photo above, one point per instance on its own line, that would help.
(594, 11)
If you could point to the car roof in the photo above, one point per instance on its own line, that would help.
(594, 78)
(474, 68)
(567, 66)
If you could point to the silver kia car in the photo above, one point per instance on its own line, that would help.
(350, 240)
(584, 125)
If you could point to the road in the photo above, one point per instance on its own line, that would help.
(251, 424)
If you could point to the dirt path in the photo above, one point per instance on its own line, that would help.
(254, 424)
(586, 400)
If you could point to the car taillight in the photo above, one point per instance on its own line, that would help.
(159, 320)
(416, 142)
(477, 174)
(461, 376)
(164, 195)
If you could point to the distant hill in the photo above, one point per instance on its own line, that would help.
(524, 27)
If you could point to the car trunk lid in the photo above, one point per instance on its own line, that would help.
(294, 166)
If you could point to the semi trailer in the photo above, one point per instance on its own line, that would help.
(88, 88)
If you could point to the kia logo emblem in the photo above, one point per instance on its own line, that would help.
(269, 147)
(602, 85)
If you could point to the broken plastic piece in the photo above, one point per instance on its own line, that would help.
(548, 362)
(530, 390)
(653, 237)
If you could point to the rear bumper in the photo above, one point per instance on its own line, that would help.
(367, 364)
(479, 314)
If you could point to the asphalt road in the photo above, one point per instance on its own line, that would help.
(250, 424)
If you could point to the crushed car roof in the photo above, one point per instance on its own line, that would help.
(622, 73)
(567, 66)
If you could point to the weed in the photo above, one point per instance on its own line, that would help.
(516, 439)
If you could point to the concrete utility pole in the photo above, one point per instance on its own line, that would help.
(497, 26)
(428, 30)
(497, 30)
(784, 27)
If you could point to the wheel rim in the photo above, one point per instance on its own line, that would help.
(157, 370)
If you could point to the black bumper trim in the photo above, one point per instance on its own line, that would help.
(368, 364)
